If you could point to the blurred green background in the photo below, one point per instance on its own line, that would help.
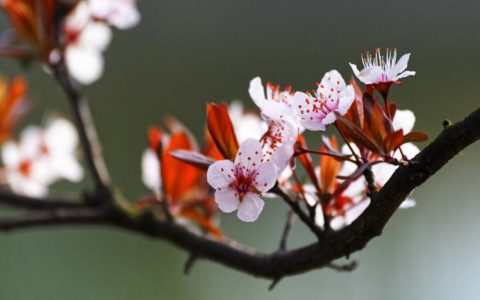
(188, 52)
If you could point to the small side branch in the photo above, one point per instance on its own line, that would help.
(286, 230)
(299, 212)
(86, 129)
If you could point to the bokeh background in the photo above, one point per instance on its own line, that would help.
(188, 52)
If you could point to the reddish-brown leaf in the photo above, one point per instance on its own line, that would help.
(179, 178)
(221, 129)
(329, 168)
(415, 136)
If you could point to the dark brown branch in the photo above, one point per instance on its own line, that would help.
(9, 198)
(332, 245)
(86, 129)
(54, 217)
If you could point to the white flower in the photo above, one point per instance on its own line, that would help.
(87, 39)
(382, 69)
(240, 184)
(274, 102)
(245, 124)
(319, 109)
(41, 157)
(122, 14)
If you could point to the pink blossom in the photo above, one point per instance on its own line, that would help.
(240, 184)
(319, 109)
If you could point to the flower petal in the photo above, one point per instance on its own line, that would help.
(267, 176)
(249, 155)
(250, 207)
(227, 200)
(220, 174)
(151, 171)
(257, 92)
(403, 119)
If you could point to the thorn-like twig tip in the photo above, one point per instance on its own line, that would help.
(274, 283)
(189, 263)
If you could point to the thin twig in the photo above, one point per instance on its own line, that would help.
(86, 129)
(192, 258)
(286, 230)
(299, 211)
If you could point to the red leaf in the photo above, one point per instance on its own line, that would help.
(356, 134)
(415, 136)
(329, 168)
(393, 141)
(221, 129)
(179, 178)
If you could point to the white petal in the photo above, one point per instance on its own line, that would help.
(329, 118)
(151, 171)
(382, 172)
(267, 176)
(10, 155)
(61, 136)
(282, 156)
(68, 168)
(250, 207)
(249, 155)
(84, 64)
(257, 92)
(220, 174)
(95, 35)
(346, 100)
(227, 200)
(400, 66)
(408, 203)
(354, 69)
(404, 119)
(353, 213)
(405, 74)
(409, 150)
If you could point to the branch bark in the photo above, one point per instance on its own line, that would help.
(330, 246)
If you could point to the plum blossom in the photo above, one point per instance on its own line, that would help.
(88, 34)
(275, 101)
(240, 184)
(41, 157)
(87, 40)
(122, 14)
(380, 69)
(319, 109)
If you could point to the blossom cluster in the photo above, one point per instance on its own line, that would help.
(246, 156)
(77, 31)
(249, 155)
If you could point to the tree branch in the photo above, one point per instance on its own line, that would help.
(330, 246)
